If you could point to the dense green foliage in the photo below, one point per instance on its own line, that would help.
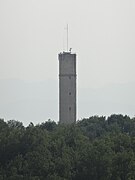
(94, 149)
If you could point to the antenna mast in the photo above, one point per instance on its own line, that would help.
(67, 37)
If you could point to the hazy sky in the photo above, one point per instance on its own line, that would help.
(32, 33)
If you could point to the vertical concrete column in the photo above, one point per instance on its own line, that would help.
(67, 88)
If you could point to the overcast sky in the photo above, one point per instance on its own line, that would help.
(32, 33)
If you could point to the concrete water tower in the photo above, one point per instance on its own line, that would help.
(67, 88)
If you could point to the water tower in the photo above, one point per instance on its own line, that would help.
(67, 88)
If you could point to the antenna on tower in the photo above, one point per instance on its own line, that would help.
(67, 37)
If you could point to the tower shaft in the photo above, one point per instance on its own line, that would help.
(67, 88)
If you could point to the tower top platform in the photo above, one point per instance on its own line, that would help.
(65, 53)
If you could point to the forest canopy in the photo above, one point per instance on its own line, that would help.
(95, 148)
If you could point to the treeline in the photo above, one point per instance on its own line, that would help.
(96, 148)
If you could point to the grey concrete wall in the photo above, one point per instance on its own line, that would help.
(67, 88)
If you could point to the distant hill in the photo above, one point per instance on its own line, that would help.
(38, 101)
